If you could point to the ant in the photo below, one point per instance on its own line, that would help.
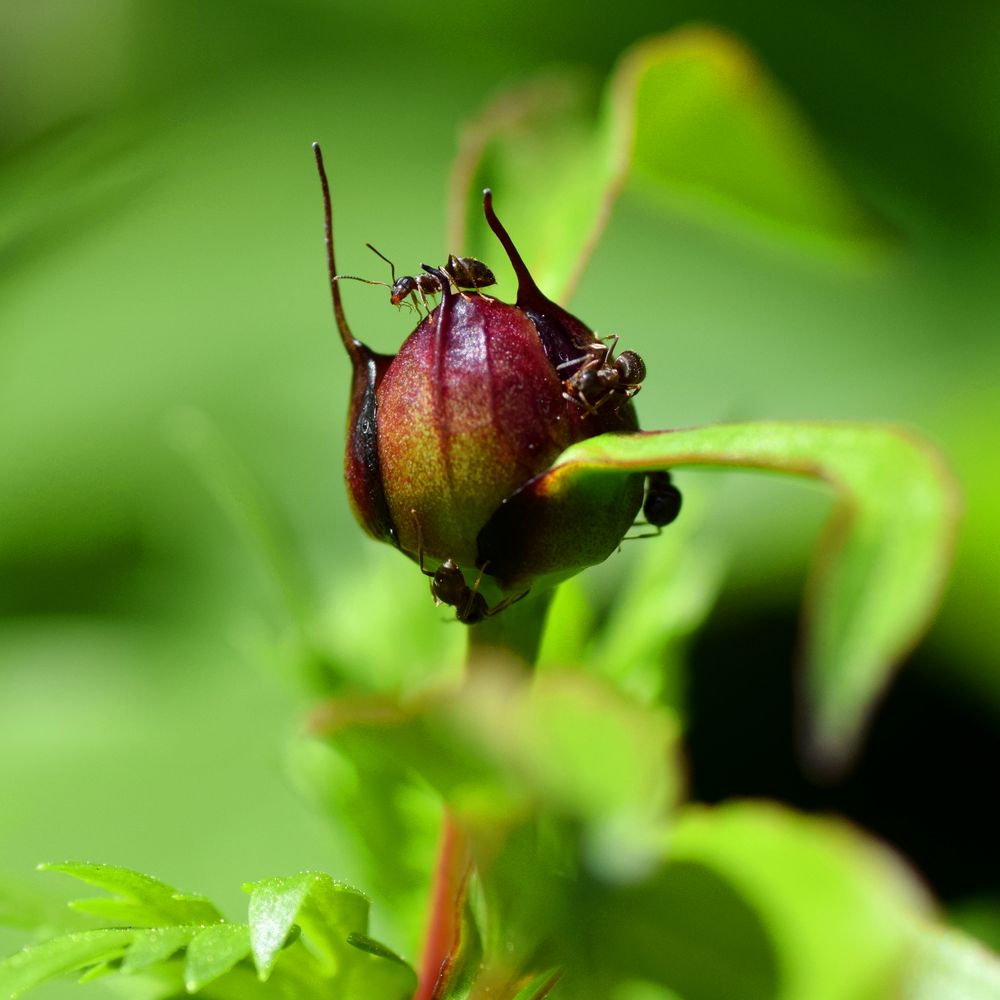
(662, 503)
(448, 586)
(602, 377)
(465, 272)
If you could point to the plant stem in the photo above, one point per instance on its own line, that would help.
(451, 878)
(517, 633)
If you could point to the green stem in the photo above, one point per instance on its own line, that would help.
(516, 632)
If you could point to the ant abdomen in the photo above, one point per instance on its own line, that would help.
(663, 500)
(467, 272)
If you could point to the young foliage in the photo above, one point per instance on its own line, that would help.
(138, 900)
(691, 114)
(585, 863)
(305, 935)
(891, 535)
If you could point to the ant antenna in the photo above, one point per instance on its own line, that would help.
(353, 346)
(392, 267)
(354, 277)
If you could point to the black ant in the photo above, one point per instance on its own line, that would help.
(603, 377)
(448, 586)
(465, 272)
(662, 503)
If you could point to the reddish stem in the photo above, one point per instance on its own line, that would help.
(444, 926)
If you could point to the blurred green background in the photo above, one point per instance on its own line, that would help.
(161, 240)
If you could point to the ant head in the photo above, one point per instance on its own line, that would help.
(401, 289)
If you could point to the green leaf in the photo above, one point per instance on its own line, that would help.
(946, 965)
(692, 115)
(140, 900)
(34, 965)
(377, 971)
(541, 150)
(686, 927)
(372, 947)
(316, 923)
(882, 564)
(705, 121)
(213, 952)
(327, 911)
(150, 947)
(821, 888)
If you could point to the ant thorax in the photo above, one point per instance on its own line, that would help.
(601, 379)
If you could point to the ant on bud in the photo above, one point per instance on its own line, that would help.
(448, 586)
(464, 272)
(603, 377)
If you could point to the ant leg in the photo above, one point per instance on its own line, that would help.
(610, 394)
(589, 359)
(507, 602)
(655, 533)
(473, 590)
(420, 539)
(582, 360)
(582, 402)
(613, 337)
(420, 557)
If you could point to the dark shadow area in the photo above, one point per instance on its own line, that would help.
(925, 780)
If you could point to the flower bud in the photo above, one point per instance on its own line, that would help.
(449, 441)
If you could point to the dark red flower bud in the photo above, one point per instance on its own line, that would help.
(449, 441)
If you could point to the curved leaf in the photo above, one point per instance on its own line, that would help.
(328, 911)
(691, 114)
(882, 563)
(31, 966)
(822, 889)
(213, 952)
(139, 900)
(157, 944)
